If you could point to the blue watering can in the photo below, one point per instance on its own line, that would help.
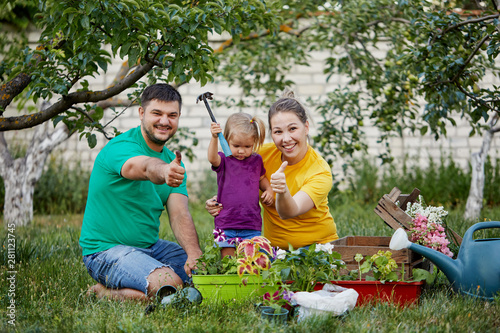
(475, 272)
(169, 296)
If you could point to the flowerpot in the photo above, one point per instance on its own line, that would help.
(230, 286)
(261, 308)
(276, 316)
(401, 293)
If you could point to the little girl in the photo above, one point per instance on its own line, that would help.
(239, 178)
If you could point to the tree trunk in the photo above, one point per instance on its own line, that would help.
(21, 174)
(478, 159)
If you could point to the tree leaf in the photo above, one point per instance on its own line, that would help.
(92, 140)
(85, 22)
(423, 130)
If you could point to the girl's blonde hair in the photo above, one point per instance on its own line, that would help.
(243, 123)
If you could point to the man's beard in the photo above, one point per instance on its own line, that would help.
(153, 138)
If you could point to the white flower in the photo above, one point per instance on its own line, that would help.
(324, 247)
(280, 254)
(433, 214)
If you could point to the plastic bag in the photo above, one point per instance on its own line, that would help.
(332, 299)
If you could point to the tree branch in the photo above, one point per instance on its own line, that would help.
(477, 20)
(469, 59)
(368, 53)
(115, 101)
(351, 61)
(9, 90)
(98, 126)
(41, 133)
(122, 73)
(493, 2)
(474, 98)
(493, 122)
(30, 120)
(458, 25)
(85, 113)
(153, 59)
(393, 19)
(283, 28)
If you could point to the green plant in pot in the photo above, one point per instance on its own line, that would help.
(281, 298)
(382, 265)
(234, 277)
(384, 268)
(211, 262)
(303, 268)
(253, 255)
(276, 306)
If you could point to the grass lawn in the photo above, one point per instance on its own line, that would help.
(51, 282)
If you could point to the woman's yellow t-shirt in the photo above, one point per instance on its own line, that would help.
(311, 175)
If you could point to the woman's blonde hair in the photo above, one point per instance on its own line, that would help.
(243, 123)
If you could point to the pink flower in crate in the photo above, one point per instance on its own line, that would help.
(430, 234)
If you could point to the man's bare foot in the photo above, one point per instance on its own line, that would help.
(99, 290)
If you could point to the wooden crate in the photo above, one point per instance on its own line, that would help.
(349, 246)
(394, 216)
(391, 208)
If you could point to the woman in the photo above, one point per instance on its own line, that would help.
(299, 176)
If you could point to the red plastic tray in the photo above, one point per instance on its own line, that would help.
(402, 293)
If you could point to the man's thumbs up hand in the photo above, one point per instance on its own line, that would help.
(178, 157)
(278, 179)
(174, 173)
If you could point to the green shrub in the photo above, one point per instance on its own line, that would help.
(62, 188)
(364, 182)
(491, 182)
(442, 182)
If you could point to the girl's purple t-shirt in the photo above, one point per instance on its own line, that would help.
(238, 192)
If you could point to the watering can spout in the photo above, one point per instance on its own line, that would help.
(449, 266)
(399, 240)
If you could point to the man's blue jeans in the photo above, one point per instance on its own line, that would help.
(128, 267)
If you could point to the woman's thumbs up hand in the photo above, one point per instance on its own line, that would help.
(278, 179)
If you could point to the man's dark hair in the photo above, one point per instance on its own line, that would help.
(162, 92)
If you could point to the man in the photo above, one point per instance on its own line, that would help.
(134, 177)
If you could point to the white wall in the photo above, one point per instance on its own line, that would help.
(311, 82)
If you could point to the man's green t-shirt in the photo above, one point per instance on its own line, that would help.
(119, 210)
